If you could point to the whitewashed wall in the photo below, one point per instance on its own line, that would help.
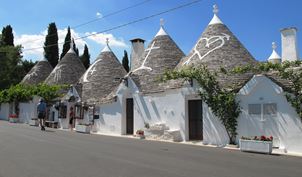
(170, 108)
(214, 131)
(109, 121)
(28, 110)
(167, 108)
(4, 111)
(285, 126)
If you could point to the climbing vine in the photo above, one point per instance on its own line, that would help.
(291, 71)
(222, 101)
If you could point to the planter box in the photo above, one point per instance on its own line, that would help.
(83, 128)
(140, 136)
(34, 122)
(256, 146)
(13, 120)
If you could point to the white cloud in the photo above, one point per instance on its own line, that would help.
(33, 43)
(101, 39)
(99, 15)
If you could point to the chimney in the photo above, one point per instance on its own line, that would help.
(289, 44)
(137, 51)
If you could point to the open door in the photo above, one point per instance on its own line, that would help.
(195, 120)
(129, 116)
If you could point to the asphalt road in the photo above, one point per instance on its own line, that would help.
(28, 152)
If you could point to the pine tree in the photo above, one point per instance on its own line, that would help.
(125, 61)
(7, 38)
(85, 58)
(51, 48)
(66, 45)
(76, 50)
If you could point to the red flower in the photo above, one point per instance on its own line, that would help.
(271, 138)
(263, 138)
(13, 116)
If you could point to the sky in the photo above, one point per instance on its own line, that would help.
(256, 23)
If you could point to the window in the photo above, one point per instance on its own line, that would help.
(254, 109)
(266, 109)
(270, 109)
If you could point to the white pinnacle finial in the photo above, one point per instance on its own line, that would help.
(274, 46)
(215, 19)
(106, 48)
(71, 46)
(274, 54)
(161, 22)
(161, 31)
(215, 9)
(71, 43)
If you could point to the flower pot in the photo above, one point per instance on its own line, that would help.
(13, 120)
(34, 122)
(83, 128)
(140, 136)
(256, 146)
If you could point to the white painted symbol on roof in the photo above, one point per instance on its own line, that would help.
(58, 73)
(142, 67)
(90, 71)
(209, 41)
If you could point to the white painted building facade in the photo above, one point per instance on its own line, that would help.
(266, 111)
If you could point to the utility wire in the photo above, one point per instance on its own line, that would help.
(111, 14)
(125, 24)
(98, 18)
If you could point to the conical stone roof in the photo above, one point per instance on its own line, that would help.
(102, 77)
(162, 54)
(68, 71)
(219, 48)
(38, 73)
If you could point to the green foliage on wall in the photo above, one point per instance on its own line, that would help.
(221, 101)
(291, 71)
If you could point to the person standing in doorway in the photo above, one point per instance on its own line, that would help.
(41, 109)
(71, 118)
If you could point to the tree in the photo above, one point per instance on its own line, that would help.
(7, 37)
(51, 48)
(85, 58)
(27, 65)
(125, 61)
(66, 45)
(11, 69)
(76, 50)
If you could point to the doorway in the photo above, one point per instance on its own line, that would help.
(129, 116)
(195, 120)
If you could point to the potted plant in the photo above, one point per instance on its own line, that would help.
(140, 134)
(13, 118)
(83, 128)
(261, 144)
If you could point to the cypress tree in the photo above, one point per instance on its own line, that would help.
(66, 45)
(7, 38)
(85, 58)
(51, 48)
(125, 61)
(76, 50)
